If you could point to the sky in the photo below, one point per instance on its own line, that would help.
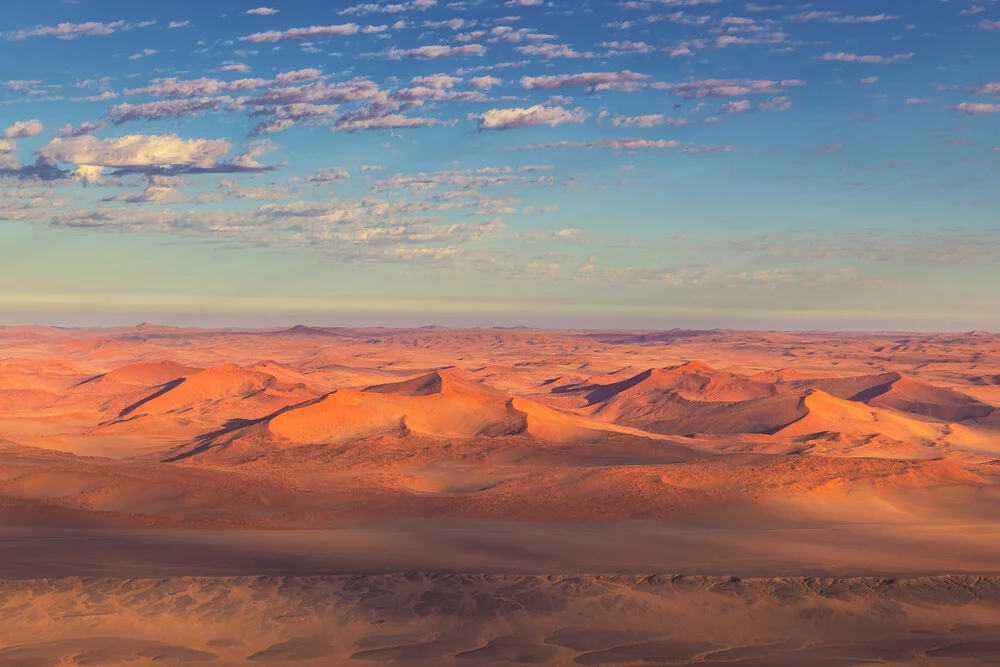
(632, 164)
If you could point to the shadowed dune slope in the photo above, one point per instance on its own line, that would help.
(897, 392)
(136, 376)
(693, 381)
(669, 414)
(215, 395)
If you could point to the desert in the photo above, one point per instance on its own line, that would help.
(313, 495)
(445, 333)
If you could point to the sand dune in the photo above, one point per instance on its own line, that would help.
(442, 404)
(693, 381)
(206, 400)
(134, 376)
(827, 414)
(894, 391)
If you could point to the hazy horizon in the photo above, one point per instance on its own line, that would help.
(254, 322)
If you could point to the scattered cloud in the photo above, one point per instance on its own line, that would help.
(705, 88)
(436, 51)
(88, 127)
(311, 32)
(24, 129)
(146, 154)
(592, 81)
(484, 82)
(649, 120)
(286, 116)
(67, 30)
(976, 108)
(389, 8)
(866, 60)
(631, 144)
(124, 113)
(505, 119)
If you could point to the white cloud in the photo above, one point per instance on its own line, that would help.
(387, 121)
(707, 149)
(262, 11)
(347, 91)
(505, 119)
(484, 82)
(24, 129)
(704, 88)
(283, 117)
(203, 87)
(437, 51)
(649, 120)
(987, 89)
(593, 81)
(144, 153)
(68, 131)
(550, 51)
(837, 17)
(866, 60)
(740, 106)
(329, 175)
(977, 108)
(311, 32)
(124, 113)
(391, 8)
(630, 144)
(452, 24)
(67, 30)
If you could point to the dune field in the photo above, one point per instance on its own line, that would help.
(435, 496)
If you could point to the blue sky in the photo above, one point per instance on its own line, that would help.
(630, 164)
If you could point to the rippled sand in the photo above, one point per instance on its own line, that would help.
(428, 619)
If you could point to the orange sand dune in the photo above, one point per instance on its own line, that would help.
(693, 381)
(204, 401)
(845, 427)
(213, 386)
(895, 391)
(441, 404)
(138, 375)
